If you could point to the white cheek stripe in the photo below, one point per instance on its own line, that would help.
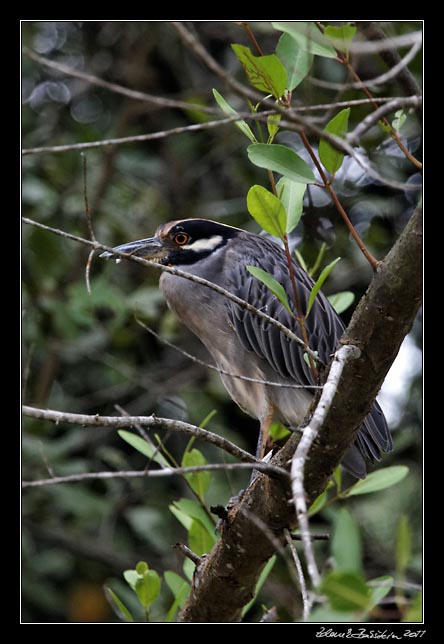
(205, 244)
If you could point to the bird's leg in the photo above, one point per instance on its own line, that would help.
(264, 432)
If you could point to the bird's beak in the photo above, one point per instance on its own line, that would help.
(152, 248)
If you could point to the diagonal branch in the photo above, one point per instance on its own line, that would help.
(309, 435)
(159, 102)
(149, 474)
(226, 578)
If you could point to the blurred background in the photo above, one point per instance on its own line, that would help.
(87, 353)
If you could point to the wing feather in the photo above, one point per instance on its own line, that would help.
(324, 328)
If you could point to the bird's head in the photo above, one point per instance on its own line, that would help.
(180, 242)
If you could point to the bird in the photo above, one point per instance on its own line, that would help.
(241, 343)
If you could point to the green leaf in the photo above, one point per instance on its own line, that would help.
(399, 120)
(341, 37)
(130, 577)
(274, 286)
(278, 431)
(207, 418)
(148, 587)
(341, 301)
(291, 195)
(317, 285)
(199, 481)
(332, 158)
(261, 581)
(379, 480)
(193, 510)
(280, 158)
(180, 589)
(301, 260)
(308, 37)
(318, 503)
(230, 111)
(117, 605)
(414, 611)
(273, 126)
(346, 590)
(326, 614)
(181, 516)
(189, 567)
(379, 588)
(346, 545)
(141, 567)
(267, 210)
(149, 450)
(337, 476)
(265, 73)
(199, 539)
(174, 582)
(297, 61)
(403, 549)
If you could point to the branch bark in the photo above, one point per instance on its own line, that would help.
(225, 579)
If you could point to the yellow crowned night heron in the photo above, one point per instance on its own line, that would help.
(240, 342)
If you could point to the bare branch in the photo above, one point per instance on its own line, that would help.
(393, 42)
(309, 434)
(373, 32)
(188, 553)
(306, 602)
(370, 120)
(175, 271)
(151, 136)
(266, 468)
(377, 80)
(116, 422)
(159, 102)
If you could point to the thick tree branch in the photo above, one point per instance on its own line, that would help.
(225, 580)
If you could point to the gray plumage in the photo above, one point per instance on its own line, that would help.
(242, 343)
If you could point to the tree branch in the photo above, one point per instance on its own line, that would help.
(117, 422)
(226, 578)
(309, 435)
(372, 118)
(389, 53)
(159, 102)
(166, 471)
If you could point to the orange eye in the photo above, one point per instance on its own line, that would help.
(181, 239)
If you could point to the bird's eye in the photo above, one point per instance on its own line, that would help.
(181, 239)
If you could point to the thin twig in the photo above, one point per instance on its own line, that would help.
(299, 459)
(285, 385)
(116, 422)
(377, 80)
(151, 136)
(392, 42)
(393, 133)
(89, 222)
(306, 602)
(371, 119)
(179, 273)
(187, 552)
(328, 186)
(167, 471)
(390, 55)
